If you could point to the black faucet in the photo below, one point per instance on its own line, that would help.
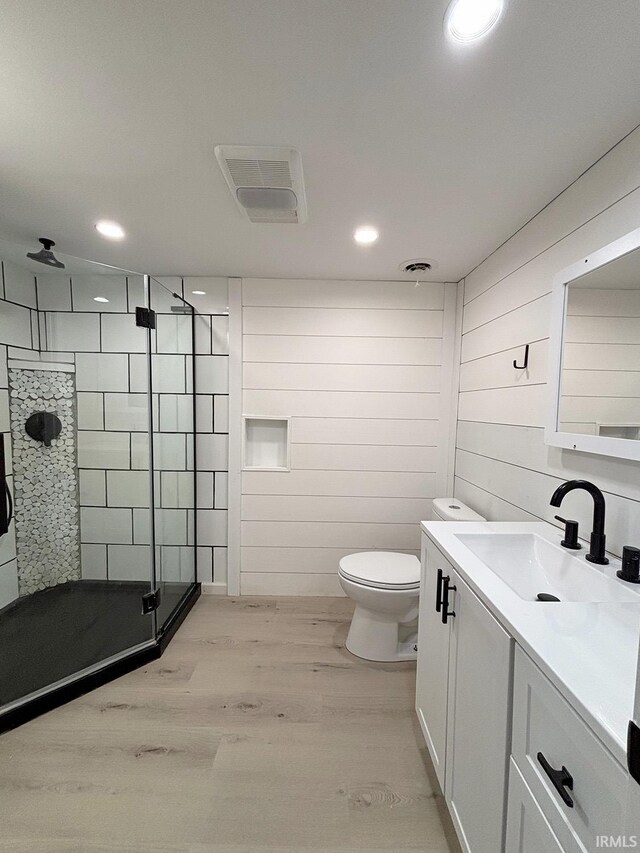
(596, 550)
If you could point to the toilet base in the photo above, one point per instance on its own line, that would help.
(374, 636)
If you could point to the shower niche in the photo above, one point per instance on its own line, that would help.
(266, 444)
(98, 539)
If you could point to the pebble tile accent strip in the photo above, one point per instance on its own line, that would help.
(45, 481)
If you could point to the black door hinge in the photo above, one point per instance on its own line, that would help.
(151, 601)
(146, 318)
(633, 750)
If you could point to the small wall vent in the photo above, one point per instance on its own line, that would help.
(266, 183)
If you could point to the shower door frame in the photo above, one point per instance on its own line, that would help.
(164, 632)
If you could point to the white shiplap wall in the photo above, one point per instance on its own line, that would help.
(357, 366)
(503, 468)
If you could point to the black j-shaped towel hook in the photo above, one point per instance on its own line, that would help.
(526, 360)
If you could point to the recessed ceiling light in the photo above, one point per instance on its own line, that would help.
(110, 230)
(199, 292)
(468, 20)
(365, 235)
(100, 299)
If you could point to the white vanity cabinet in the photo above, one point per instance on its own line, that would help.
(463, 701)
(498, 703)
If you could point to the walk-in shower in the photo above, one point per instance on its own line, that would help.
(97, 475)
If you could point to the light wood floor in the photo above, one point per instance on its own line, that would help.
(255, 732)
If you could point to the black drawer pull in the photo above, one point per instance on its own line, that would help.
(439, 591)
(561, 779)
(446, 589)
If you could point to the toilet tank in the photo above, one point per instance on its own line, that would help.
(450, 509)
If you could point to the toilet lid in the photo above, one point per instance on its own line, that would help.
(382, 569)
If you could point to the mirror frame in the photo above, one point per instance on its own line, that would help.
(621, 448)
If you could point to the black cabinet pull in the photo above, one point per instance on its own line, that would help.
(446, 589)
(560, 779)
(439, 591)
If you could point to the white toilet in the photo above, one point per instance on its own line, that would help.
(450, 509)
(385, 587)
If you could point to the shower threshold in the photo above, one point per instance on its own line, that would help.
(63, 641)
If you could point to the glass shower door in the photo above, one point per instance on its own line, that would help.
(172, 447)
(75, 559)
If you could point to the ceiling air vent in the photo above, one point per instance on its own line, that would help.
(266, 183)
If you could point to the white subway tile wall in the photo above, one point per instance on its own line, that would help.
(100, 372)
(90, 409)
(109, 352)
(86, 288)
(15, 325)
(93, 487)
(76, 332)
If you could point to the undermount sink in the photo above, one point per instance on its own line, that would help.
(531, 565)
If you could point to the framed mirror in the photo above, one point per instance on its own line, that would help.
(595, 353)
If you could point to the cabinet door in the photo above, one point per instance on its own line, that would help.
(632, 823)
(479, 712)
(527, 828)
(433, 659)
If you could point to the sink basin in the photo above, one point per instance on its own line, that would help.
(530, 565)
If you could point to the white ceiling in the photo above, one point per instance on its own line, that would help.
(112, 108)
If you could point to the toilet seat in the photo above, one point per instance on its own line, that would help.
(381, 570)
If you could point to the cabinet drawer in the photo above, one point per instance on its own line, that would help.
(547, 729)
(528, 830)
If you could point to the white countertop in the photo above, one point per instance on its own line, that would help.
(589, 651)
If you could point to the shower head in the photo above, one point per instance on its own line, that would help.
(45, 255)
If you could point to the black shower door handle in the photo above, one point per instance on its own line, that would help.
(6, 504)
(9, 504)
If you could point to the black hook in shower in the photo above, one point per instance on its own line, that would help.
(526, 360)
